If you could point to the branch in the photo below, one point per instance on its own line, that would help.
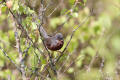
(70, 40)
(68, 17)
(72, 34)
(92, 61)
(23, 30)
(58, 5)
(43, 34)
(101, 48)
(21, 59)
(73, 61)
(5, 54)
(26, 50)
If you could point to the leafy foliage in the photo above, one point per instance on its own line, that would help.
(93, 52)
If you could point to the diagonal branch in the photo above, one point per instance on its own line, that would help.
(72, 34)
(5, 54)
(43, 34)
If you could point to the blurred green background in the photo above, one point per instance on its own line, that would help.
(93, 53)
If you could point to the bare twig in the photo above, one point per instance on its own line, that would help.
(26, 50)
(68, 17)
(72, 36)
(92, 61)
(73, 61)
(70, 54)
(20, 24)
(101, 48)
(23, 30)
(101, 67)
(56, 60)
(39, 27)
(21, 59)
(96, 55)
(18, 21)
(63, 22)
(5, 54)
(55, 9)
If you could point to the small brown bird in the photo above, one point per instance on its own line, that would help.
(55, 42)
(52, 42)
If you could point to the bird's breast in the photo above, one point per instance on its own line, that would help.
(56, 45)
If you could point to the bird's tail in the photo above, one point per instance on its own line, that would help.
(43, 32)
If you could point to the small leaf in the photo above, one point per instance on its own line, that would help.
(70, 70)
(75, 14)
(15, 5)
(34, 26)
(3, 9)
(71, 2)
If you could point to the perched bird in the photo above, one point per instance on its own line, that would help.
(52, 42)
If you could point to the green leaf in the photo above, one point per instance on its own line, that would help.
(15, 5)
(70, 70)
(75, 14)
(43, 61)
(63, 11)
(42, 67)
(27, 21)
(85, 1)
(90, 51)
(30, 11)
(71, 2)
(116, 43)
(3, 9)
(21, 9)
(105, 20)
(34, 26)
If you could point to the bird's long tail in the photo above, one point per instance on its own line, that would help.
(43, 32)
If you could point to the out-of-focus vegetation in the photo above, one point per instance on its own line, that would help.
(93, 52)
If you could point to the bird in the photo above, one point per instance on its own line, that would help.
(54, 42)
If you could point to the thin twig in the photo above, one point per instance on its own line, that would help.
(5, 54)
(20, 24)
(41, 18)
(56, 60)
(68, 17)
(55, 9)
(72, 36)
(101, 48)
(101, 67)
(70, 54)
(26, 50)
(92, 61)
(23, 30)
(73, 61)
(21, 59)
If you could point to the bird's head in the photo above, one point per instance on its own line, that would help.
(59, 36)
